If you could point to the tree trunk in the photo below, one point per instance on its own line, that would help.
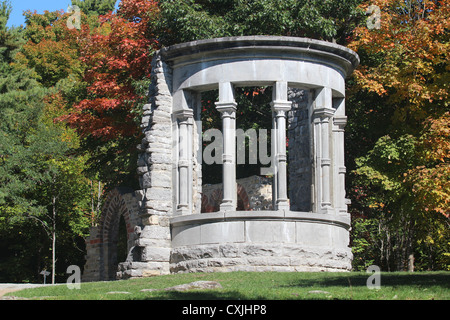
(99, 197)
(53, 240)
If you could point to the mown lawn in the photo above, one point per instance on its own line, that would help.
(261, 286)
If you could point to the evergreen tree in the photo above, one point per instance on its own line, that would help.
(20, 102)
(5, 11)
(43, 192)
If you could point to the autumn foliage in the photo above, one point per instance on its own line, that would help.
(116, 55)
(96, 78)
(406, 61)
(413, 48)
(52, 48)
(431, 182)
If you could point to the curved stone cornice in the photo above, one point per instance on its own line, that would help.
(235, 47)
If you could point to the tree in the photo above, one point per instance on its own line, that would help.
(62, 189)
(5, 11)
(52, 49)
(380, 175)
(41, 183)
(430, 180)
(117, 57)
(183, 21)
(21, 99)
(404, 77)
(97, 7)
(406, 59)
(43, 192)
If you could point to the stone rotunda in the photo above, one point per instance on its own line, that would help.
(307, 228)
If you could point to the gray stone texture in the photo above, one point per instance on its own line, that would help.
(306, 225)
(259, 257)
(300, 153)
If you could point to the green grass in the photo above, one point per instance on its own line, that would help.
(261, 286)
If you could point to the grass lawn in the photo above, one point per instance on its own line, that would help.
(261, 286)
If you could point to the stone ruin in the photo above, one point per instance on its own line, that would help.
(296, 220)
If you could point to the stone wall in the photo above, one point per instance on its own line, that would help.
(155, 178)
(259, 241)
(149, 252)
(155, 151)
(259, 257)
(299, 150)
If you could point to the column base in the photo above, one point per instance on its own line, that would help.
(183, 211)
(327, 210)
(227, 206)
(282, 205)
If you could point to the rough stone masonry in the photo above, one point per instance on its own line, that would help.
(299, 220)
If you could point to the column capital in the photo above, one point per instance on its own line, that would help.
(324, 113)
(278, 105)
(340, 121)
(227, 109)
(184, 115)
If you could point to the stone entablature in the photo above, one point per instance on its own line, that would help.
(307, 228)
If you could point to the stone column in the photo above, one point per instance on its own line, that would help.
(323, 111)
(227, 107)
(339, 122)
(185, 122)
(280, 105)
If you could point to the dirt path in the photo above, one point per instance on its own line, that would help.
(3, 292)
(12, 287)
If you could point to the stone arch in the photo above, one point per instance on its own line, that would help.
(101, 245)
(115, 207)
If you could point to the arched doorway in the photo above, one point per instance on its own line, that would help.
(115, 235)
(111, 241)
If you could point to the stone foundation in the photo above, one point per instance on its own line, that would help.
(258, 257)
(259, 241)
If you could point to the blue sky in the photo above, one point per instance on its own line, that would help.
(19, 6)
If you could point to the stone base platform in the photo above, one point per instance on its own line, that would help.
(260, 241)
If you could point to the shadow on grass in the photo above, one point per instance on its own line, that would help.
(200, 295)
(387, 279)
